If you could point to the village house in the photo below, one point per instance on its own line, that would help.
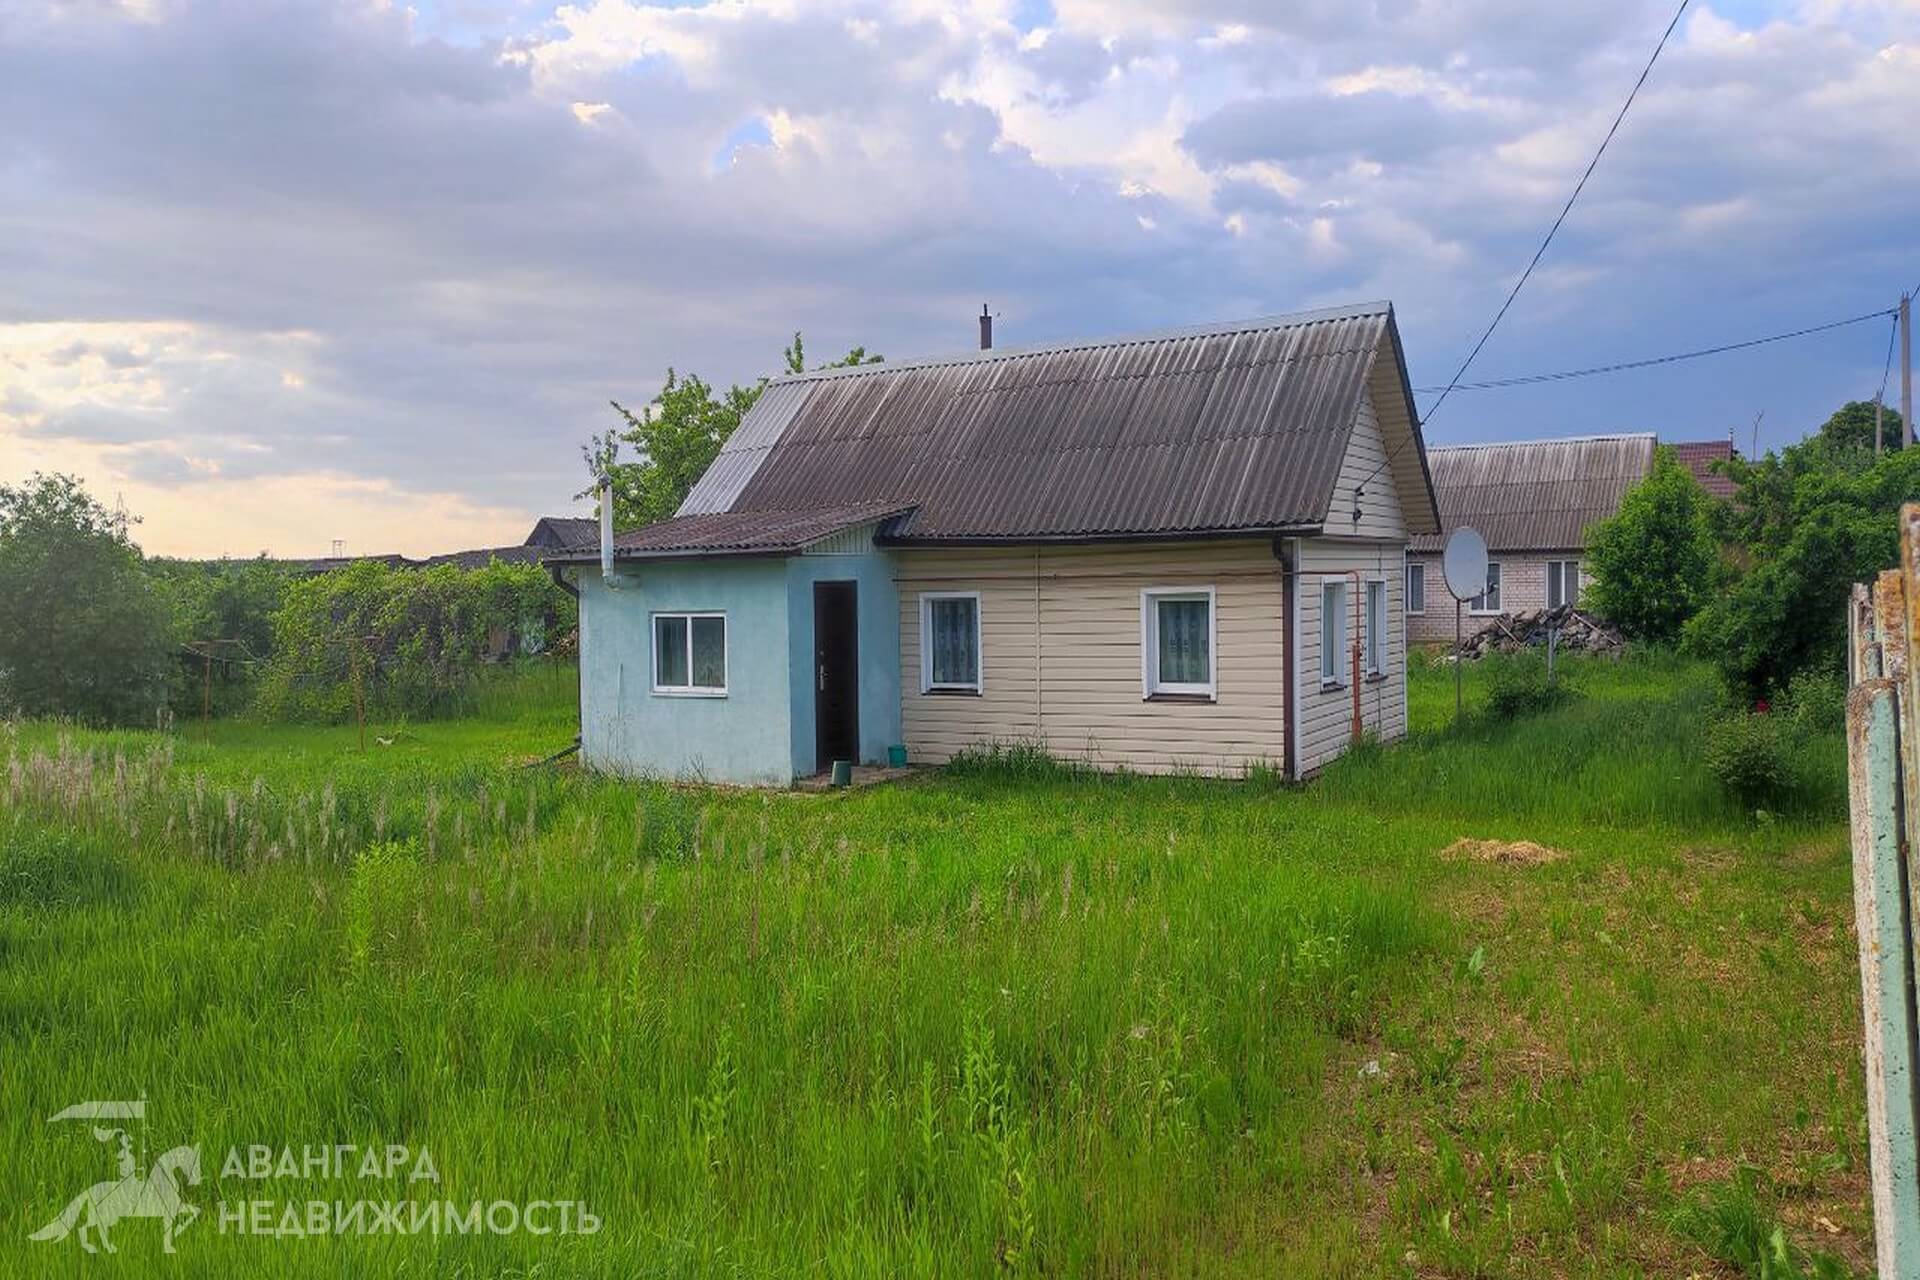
(1533, 501)
(1164, 553)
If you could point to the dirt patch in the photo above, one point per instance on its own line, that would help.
(1515, 853)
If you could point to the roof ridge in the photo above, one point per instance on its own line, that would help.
(1507, 444)
(1255, 324)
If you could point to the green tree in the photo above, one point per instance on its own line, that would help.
(676, 437)
(1653, 563)
(1850, 429)
(1810, 522)
(82, 632)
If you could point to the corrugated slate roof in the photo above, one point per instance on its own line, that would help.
(1699, 457)
(1227, 428)
(1535, 495)
(740, 532)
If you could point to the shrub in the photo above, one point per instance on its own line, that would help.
(1815, 702)
(1653, 563)
(1751, 753)
(413, 640)
(1519, 686)
(82, 632)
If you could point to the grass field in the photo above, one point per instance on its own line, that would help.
(1004, 1019)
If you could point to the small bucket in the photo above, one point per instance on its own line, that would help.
(843, 773)
(897, 756)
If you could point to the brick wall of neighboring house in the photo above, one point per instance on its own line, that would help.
(1523, 588)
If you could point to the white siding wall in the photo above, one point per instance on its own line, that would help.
(1325, 722)
(1061, 655)
(1380, 515)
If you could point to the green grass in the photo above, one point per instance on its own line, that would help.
(1008, 1019)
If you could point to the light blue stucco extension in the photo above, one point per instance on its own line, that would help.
(761, 732)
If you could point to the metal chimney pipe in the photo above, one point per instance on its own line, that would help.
(606, 525)
(986, 328)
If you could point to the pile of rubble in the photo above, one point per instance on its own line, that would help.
(1578, 633)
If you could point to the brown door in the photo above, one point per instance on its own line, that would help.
(836, 673)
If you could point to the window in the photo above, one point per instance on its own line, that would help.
(1333, 633)
(1563, 583)
(950, 642)
(1176, 642)
(1376, 639)
(1488, 601)
(1416, 588)
(690, 653)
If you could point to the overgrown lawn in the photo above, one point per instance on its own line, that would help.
(1007, 1019)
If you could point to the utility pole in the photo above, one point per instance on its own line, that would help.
(1906, 364)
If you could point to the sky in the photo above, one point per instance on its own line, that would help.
(279, 272)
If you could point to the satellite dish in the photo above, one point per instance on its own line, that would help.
(1465, 563)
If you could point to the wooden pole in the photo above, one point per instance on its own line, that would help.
(359, 696)
(1459, 699)
(1906, 365)
(206, 687)
(1876, 426)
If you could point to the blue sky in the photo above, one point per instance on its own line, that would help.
(281, 272)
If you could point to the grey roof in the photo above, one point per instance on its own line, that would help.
(739, 532)
(1534, 495)
(480, 559)
(563, 532)
(1227, 428)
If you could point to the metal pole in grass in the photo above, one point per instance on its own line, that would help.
(1459, 698)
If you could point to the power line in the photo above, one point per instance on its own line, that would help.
(1522, 380)
(1555, 228)
(1537, 255)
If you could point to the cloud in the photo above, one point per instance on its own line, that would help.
(249, 241)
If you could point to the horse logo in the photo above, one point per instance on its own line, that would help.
(131, 1194)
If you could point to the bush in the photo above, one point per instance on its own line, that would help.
(1751, 753)
(1519, 686)
(413, 640)
(82, 632)
(1815, 702)
(1653, 563)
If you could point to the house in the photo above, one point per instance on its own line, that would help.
(564, 533)
(1698, 456)
(1533, 501)
(1152, 552)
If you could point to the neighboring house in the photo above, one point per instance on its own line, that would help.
(1698, 456)
(1133, 553)
(564, 533)
(1533, 501)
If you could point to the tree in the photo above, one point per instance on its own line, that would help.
(677, 436)
(1653, 563)
(82, 633)
(1811, 521)
(1850, 429)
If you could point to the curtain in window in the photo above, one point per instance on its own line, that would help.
(710, 653)
(956, 657)
(670, 651)
(1184, 642)
(1376, 625)
(1333, 630)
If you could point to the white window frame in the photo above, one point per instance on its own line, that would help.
(1497, 580)
(1557, 581)
(690, 690)
(1373, 641)
(979, 681)
(1151, 685)
(1335, 660)
(1415, 567)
